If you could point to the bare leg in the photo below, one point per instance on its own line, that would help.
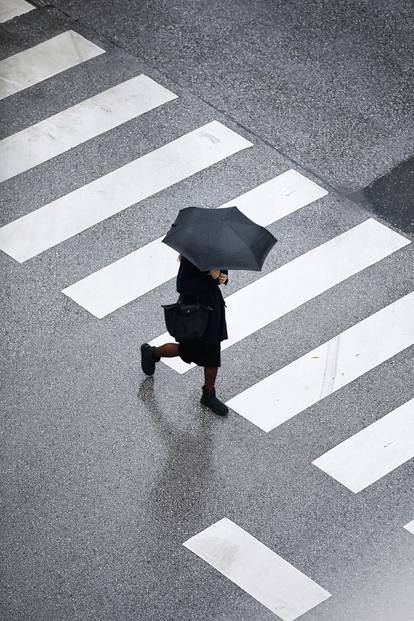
(210, 374)
(169, 350)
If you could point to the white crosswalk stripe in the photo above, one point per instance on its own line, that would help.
(80, 123)
(336, 363)
(13, 8)
(44, 60)
(300, 280)
(257, 570)
(55, 222)
(141, 271)
(124, 280)
(378, 449)
(410, 527)
(278, 197)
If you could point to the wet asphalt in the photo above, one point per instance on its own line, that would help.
(106, 472)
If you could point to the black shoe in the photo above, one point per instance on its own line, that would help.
(210, 400)
(147, 360)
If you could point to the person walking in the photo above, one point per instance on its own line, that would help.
(205, 238)
(193, 284)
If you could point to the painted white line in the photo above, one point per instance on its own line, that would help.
(148, 267)
(329, 367)
(378, 449)
(73, 213)
(410, 527)
(124, 280)
(80, 123)
(257, 570)
(300, 280)
(43, 61)
(278, 197)
(13, 8)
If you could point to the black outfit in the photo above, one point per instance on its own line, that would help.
(192, 283)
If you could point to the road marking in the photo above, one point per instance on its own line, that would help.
(278, 197)
(410, 527)
(257, 570)
(299, 281)
(75, 212)
(124, 280)
(80, 123)
(43, 61)
(329, 367)
(375, 451)
(127, 279)
(13, 8)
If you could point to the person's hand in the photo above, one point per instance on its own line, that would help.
(214, 274)
(223, 278)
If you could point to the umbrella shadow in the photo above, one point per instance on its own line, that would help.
(185, 478)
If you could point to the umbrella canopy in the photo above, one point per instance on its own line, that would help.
(219, 238)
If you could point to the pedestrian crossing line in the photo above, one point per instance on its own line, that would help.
(44, 60)
(370, 454)
(331, 366)
(73, 126)
(75, 212)
(256, 569)
(410, 527)
(13, 8)
(124, 280)
(140, 271)
(299, 281)
(278, 197)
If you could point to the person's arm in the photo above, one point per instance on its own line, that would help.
(191, 281)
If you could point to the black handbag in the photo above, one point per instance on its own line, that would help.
(186, 321)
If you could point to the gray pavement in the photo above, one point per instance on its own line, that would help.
(328, 84)
(106, 473)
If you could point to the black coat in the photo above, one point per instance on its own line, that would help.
(191, 282)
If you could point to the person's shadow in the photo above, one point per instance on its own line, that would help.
(185, 481)
(176, 500)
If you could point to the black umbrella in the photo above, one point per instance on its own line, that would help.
(219, 238)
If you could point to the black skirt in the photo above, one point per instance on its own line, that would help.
(201, 353)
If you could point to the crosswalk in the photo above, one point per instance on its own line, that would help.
(300, 280)
(13, 8)
(255, 568)
(378, 449)
(360, 460)
(154, 264)
(75, 212)
(70, 128)
(328, 368)
(44, 61)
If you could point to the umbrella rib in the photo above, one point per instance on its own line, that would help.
(209, 244)
(230, 224)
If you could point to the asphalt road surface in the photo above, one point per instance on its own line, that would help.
(123, 498)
